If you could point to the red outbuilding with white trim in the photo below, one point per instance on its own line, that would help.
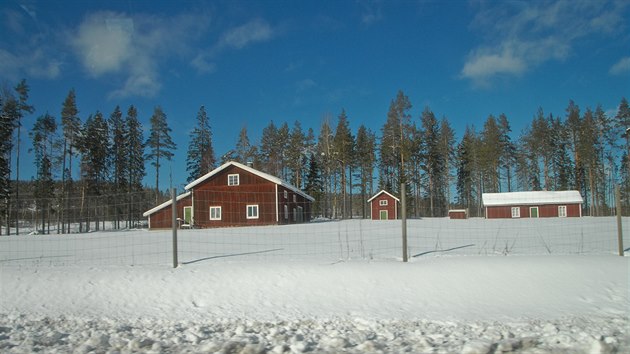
(537, 204)
(235, 195)
(383, 206)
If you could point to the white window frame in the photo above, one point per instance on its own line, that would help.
(562, 211)
(294, 214)
(294, 198)
(234, 179)
(220, 213)
(382, 202)
(286, 212)
(516, 212)
(252, 215)
(537, 212)
(286, 195)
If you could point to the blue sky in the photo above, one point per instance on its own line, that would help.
(250, 62)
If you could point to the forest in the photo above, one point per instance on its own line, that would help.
(581, 149)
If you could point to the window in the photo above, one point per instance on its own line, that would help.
(215, 213)
(294, 198)
(252, 211)
(562, 211)
(286, 195)
(294, 215)
(516, 212)
(286, 212)
(233, 180)
(382, 202)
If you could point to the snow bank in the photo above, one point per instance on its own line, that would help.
(433, 304)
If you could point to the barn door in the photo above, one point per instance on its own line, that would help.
(533, 212)
(383, 215)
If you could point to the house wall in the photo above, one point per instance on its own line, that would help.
(544, 211)
(161, 219)
(292, 215)
(457, 214)
(390, 207)
(233, 200)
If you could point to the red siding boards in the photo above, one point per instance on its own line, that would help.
(252, 198)
(383, 206)
(544, 211)
(458, 214)
(161, 218)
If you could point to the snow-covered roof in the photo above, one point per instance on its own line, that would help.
(165, 204)
(266, 176)
(381, 192)
(531, 198)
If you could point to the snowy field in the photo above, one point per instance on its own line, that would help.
(471, 286)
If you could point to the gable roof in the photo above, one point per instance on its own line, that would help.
(165, 204)
(531, 198)
(260, 174)
(381, 192)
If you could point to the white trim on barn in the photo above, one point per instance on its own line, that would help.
(165, 204)
(381, 192)
(268, 177)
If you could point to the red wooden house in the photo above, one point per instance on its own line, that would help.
(542, 204)
(235, 195)
(383, 206)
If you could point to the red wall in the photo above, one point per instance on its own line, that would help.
(390, 207)
(161, 219)
(544, 211)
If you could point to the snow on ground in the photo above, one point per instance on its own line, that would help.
(346, 291)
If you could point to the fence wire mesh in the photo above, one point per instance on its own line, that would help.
(117, 242)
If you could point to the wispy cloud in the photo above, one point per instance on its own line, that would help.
(240, 37)
(371, 12)
(133, 47)
(28, 46)
(520, 36)
(621, 67)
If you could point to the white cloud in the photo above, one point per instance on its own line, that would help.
(621, 67)
(254, 31)
(203, 64)
(517, 37)
(371, 12)
(133, 47)
(305, 84)
(34, 64)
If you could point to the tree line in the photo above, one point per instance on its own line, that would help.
(585, 150)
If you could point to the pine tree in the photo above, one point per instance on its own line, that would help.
(622, 122)
(160, 145)
(245, 152)
(490, 154)
(343, 152)
(508, 149)
(23, 108)
(200, 158)
(118, 159)
(43, 137)
(270, 157)
(466, 169)
(327, 164)
(574, 125)
(71, 125)
(396, 142)
(314, 184)
(433, 159)
(447, 152)
(8, 105)
(135, 172)
(296, 154)
(94, 146)
(365, 158)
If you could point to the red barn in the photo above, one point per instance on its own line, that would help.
(235, 195)
(542, 204)
(383, 206)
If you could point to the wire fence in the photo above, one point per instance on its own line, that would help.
(316, 240)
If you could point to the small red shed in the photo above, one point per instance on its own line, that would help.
(543, 204)
(235, 195)
(383, 206)
(458, 214)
